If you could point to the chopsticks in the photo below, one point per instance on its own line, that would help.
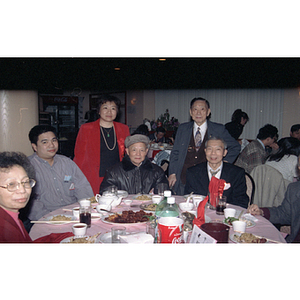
(54, 222)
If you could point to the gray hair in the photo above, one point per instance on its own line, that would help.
(216, 138)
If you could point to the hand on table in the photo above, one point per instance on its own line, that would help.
(253, 209)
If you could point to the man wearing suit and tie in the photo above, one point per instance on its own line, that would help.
(199, 176)
(188, 149)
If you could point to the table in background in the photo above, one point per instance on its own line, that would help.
(262, 228)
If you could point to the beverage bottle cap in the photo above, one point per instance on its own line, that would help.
(171, 200)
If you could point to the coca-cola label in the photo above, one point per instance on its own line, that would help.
(170, 230)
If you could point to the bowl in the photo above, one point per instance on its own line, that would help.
(76, 212)
(104, 206)
(186, 206)
(127, 201)
(95, 216)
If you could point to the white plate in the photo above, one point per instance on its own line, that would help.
(194, 195)
(104, 221)
(68, 239)
(250, 224)
(123, 194)
(232, 238)
(136, 196)
(62, 222)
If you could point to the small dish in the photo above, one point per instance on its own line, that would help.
(127, 201)
(186, 206)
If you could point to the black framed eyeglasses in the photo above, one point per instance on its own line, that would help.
(13, 186)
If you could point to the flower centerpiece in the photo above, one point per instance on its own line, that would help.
(164, 120)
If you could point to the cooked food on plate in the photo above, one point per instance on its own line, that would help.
(129, 216)
(143, 197)
(61, 218)
(249, 238)
(150, 207)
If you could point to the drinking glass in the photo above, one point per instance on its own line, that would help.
(161, 187)
(220, 204)
(116, 231)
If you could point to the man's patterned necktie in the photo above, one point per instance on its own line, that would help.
(198, 139)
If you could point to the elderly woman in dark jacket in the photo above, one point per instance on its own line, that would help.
(135, 173)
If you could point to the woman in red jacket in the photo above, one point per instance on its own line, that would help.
(100, 144)
(16, 182)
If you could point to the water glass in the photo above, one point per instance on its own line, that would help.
(116, 231)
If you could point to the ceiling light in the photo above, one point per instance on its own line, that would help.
(117, 69)
(162, 59)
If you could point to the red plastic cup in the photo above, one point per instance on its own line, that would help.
(170, 230)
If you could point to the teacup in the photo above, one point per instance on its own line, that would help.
(229, 212)
(239, 226)
(79, 229)
(76, 212)
(156, 199)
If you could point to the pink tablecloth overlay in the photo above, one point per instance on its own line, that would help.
(262, 228)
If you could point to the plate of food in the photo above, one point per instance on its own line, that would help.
(122, 194)
(247, 238)
(142, 197)
(60, 219)
(150, 206)
(128, 217)
(80, 240)
(228, 221)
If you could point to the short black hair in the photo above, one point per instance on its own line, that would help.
(267, 131)
(11, 159)
(160, 129)
(108, 98)
(39, 129)
(237, 116)
(295, 127)
(200, 99)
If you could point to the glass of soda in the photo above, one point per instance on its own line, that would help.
(220, 204)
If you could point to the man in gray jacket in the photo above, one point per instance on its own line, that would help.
(188, 149)
(288, 213)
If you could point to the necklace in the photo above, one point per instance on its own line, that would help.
(115, 139)
(108, 131)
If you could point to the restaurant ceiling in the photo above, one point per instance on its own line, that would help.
(53, 75)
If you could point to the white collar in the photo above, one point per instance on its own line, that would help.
(218, 175)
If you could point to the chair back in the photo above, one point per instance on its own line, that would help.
(270, 186)
(250, 187)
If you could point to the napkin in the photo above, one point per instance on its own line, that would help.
(137, 238)
(53, 237)
(215, 186)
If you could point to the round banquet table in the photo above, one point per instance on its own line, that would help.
(262, 227)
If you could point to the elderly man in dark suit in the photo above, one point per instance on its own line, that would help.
(188, 149)
(199, 176)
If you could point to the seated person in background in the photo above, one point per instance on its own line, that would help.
(158, 136)
(60, 182)
(238, 120)
(16, 182)
(285, 160)
(255, 153)
(288, 213)
(142, 129)
(199, 176)
(295, 131)
(135, 173)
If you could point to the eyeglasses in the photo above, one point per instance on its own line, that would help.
(13, 186)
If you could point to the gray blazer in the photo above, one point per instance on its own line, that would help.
(289, 211)
(182, 141)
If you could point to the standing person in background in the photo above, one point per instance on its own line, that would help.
(255, 153)
(100, 144)
(188, 149)
(238, 120)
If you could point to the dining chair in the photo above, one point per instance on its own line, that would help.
(270, 186)
(250, 187)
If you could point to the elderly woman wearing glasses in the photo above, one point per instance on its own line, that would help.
(16, 183)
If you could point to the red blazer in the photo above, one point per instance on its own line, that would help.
(87, 150)
(10, 231)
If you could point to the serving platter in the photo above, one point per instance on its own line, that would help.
(234, 238)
